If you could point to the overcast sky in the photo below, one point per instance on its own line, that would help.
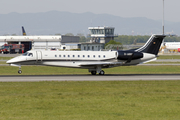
(125, 8)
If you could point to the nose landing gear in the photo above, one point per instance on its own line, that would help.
(15, 65)
(19, 71)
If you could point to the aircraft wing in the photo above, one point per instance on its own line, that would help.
(101, 63)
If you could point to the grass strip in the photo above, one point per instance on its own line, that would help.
(169, 57)
(5, 58)
(46, 70)
(108, 100)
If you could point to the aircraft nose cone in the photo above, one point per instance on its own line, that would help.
(16, 60)
(9, 61)
(13, 60)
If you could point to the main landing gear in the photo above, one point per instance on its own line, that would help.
(97, 70)
(100, 72)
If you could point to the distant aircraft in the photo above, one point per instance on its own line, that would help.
(172, 46)
(92, 60)
(23, 31)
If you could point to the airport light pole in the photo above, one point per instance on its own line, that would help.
(163, 18)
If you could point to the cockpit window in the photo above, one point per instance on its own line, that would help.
(30, 54)
(25, 54)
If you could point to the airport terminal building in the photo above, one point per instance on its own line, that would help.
(39, 42)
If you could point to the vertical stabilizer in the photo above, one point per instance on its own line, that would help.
(152, 45)
(23, 31)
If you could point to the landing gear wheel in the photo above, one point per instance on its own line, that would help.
(93, 72)
(19, 71)
(101, 72)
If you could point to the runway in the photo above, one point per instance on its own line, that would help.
(110, 77)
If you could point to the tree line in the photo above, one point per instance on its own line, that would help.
(126, 39)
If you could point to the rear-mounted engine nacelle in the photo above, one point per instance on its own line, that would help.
(126, 55)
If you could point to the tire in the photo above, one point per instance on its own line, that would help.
(93, 72)
(19, 71)
(101, 72)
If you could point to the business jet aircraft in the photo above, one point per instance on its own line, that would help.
(92, 60)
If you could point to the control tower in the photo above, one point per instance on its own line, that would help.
(101, 34)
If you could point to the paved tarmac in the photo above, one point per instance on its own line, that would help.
(9, 55)
(110, 77)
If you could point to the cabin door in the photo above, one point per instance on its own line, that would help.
(38, 56)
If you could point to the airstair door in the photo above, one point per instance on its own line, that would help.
(38, 56)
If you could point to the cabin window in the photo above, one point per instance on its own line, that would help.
(99, 56)
(59, 55)
(55, 55)
(104, 56)
(94, 56)
(73, 55)
(78, 55)
(88, 56)
(83, 55)
(68, 55)
(64, 55)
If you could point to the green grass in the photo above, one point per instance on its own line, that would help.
(156, 62)
(3, 62)
(169, 57)
(5, 58)
(108, 100)
(46, 70)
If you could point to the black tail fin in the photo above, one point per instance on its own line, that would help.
(23, 31)
(152, 45)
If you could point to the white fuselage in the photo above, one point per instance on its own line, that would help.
(80, 59)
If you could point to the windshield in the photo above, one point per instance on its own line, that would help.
(25, 54)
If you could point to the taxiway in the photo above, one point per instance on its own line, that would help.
(125, 77)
